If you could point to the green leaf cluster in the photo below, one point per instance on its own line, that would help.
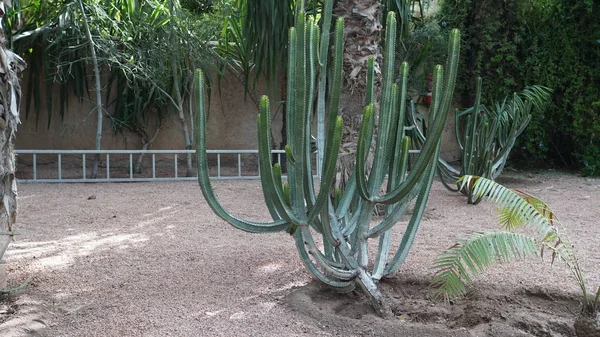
(143, 47)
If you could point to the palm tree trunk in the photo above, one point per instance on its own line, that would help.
(10, 93)
(362, 36)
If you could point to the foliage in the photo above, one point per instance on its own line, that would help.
(554, 43)
(135, 42)
(344, 220)
(423, 47)
(517, 209)
(198, 6)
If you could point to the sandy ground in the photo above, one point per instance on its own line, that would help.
(151, 259)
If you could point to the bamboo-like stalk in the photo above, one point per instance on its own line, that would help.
(98, 88)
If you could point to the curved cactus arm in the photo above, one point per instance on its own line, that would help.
(392, 218)
(336, 84)
(329, 170)
(268, 193)
(347, 197)
(370, 85)
(321, 91)
(362, 149)
(312, 64)
(350, 225)
(457, 132)
(417, 133)
(327, 221)
(313, 40)
(427, 151)
(452, 69)
(330, 268)
(203, 172)
(304, 256)
(342, 248)
(411, 230)
(447, 173)
(386, 122)
(399, 162)
(297, 98)
(440, 107)
(274, 198)
(470, 134)
(381, 257)
(386, 136)
(274, 205)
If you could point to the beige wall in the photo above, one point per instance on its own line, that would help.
(231, 125)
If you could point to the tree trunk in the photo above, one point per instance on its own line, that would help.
(146, 143)
(184, 125)
(10, 92)
(99, 108)
(362, 36)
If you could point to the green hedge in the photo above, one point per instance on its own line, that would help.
(555, 43)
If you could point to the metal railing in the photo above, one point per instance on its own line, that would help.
(132, 176)
(33, 177)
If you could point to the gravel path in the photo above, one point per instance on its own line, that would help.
(151, 259)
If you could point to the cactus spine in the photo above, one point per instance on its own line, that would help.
(344, 220)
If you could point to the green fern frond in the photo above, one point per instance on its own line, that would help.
(474, 255)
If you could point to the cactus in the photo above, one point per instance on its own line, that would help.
(341, 218)
(486, 136)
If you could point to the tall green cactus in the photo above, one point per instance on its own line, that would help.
(344, 220)
(486, 135)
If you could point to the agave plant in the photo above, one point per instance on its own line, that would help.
(342, 218)
(480, 251)
(486, 135)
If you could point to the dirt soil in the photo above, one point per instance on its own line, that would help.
(151, 259)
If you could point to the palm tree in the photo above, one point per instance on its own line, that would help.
(259, 50)
(362, 36)
(264, 37)
(10, 91)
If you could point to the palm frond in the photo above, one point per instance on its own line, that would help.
(517, 209)
(474, 255)
(538, 95)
